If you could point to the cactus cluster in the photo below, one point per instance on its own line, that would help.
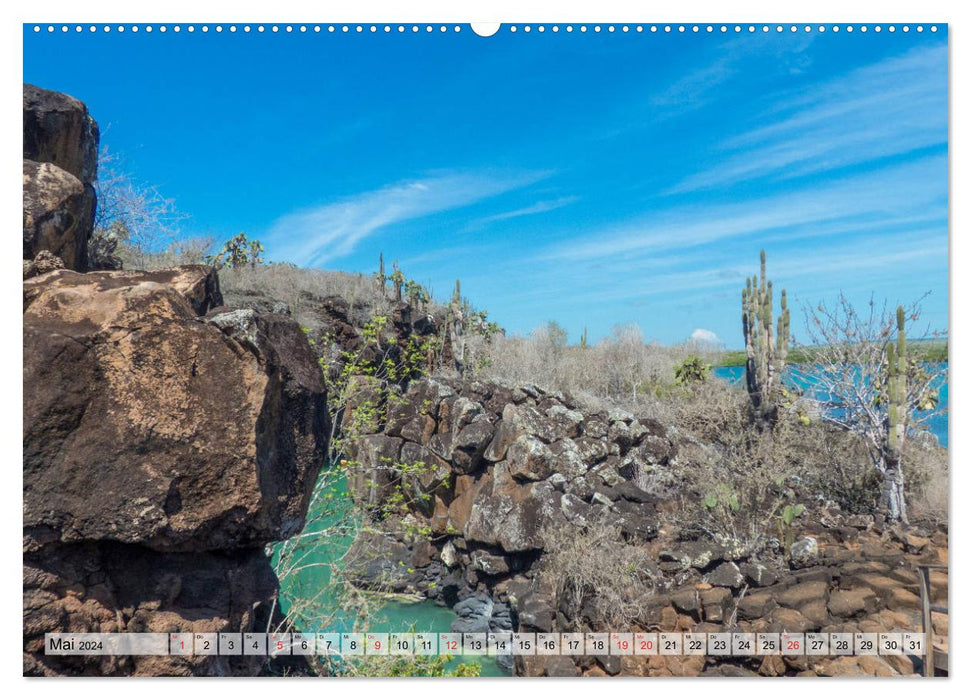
(765, 351)
(397, 279)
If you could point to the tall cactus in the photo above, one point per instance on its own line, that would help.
(457, 328)
(398, 279)
(765, 357)
(897, 407)
(379, 277)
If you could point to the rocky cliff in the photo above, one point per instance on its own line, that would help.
(504, 469)
(167, 438)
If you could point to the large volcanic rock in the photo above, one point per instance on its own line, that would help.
(197, 440)
(165, 443)
(60, 167)
(58, 214)
(59, 130)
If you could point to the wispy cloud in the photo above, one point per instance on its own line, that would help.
(315, 235)
(540, 207)
(892, 107)
(695, 88)
(886, 194)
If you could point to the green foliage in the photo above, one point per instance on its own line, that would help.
(722, 500)
(691, 369)
(237, 252)
(919, 351)
(787, 515)
(478, 323)
(409, 667)
(403, 485)
(731, 358)
(363, 383)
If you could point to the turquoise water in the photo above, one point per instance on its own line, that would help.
(305, 566)
(936, 420)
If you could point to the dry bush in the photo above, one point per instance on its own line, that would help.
(926, 469)
(296, 286)
(737, 477)
(596, 574)
(620, 370)
(185, 251)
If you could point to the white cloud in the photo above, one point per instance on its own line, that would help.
(315, 235)
(704, 336)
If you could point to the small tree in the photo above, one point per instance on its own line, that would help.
(624, 355)
(691, 369)
(866, 381)
(131, 215)
(237, 252)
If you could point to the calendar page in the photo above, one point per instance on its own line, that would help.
(522, 349)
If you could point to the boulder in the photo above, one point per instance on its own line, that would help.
(619, 434)
(197, 440)
(469, 445)
(567, 459)
(490, 564)
(58, 214)
(59, 130)
(851, 603)
(804, 552)
(726, 574)
(44, 262)
(592, 451)
(637, 521)
(802, 593)
(473, 614)
(595, 427)
(529, 420)
(509, 515)
(112, 587)
(450, 555)
(576, 510)
(530, 459)
(201, 440)
(759, 575)
(717, 604)
(755, 605)
(567, 423)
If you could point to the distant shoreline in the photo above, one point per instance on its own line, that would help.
(928, 351)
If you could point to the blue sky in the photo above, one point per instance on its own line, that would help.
(593, 179)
